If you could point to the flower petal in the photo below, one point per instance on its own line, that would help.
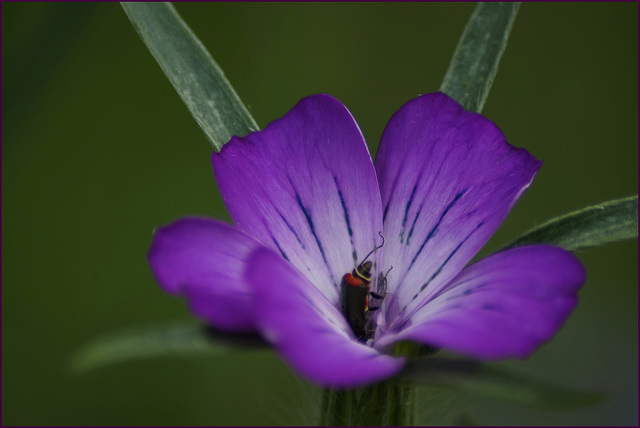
(307, 330)
(448, 178)
(506, 305)
(305, 186)
(204, 260)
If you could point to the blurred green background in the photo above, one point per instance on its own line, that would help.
(98, 149)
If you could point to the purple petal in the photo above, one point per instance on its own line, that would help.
(204, 260)
(307, 330)
(506, 305)
(305, 186)
(448, 178)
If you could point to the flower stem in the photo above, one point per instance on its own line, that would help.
(382, 404)
(335, 408)
(402, 412)
(388, 403)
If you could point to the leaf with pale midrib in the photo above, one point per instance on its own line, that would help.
(496, 382)
(475, 61)
(180, 339)
(192, 71)
(593, 226)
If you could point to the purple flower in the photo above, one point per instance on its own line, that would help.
(309, 204)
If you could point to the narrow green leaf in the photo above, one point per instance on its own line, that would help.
(186, 339)
(475, 61)
(466, 421)
(495, 382)
(194, 74)
(592, 226)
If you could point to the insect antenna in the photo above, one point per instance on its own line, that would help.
(376, 248)
(387, 274)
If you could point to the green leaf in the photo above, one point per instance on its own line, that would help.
(475, 61)
(592, 226)
(466, 421)
(186, 339)
(496, 382)
(192, 71)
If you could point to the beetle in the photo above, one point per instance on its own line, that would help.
(355, 292)
(381, 291)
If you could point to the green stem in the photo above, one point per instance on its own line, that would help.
(324, 408)
(384, 404)
(388, 403)
(335, 407)
(402, 413)
(380, 407)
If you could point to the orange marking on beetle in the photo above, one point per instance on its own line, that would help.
(353, 281)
